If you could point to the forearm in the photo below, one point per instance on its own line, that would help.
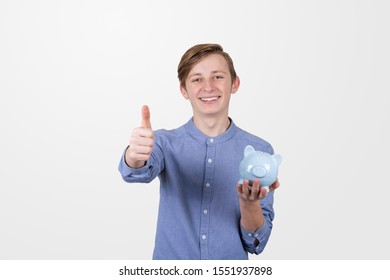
(255, 227)
(256, 215)
(251, 215)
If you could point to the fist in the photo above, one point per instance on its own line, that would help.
(141, 142)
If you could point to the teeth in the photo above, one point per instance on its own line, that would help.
(209, 98)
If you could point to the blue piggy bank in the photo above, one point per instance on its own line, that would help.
(259, 165)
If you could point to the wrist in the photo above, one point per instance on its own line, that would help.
(250, 204)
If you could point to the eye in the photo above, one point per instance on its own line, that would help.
(196, 80)
(219, 77)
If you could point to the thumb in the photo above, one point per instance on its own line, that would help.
(145, 117)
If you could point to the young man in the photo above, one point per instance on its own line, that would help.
(203, 212)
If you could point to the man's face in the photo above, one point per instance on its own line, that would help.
(209, 86)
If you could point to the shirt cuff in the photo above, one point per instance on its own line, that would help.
(256, 240)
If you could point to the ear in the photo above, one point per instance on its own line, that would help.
(248, 149)
(183, 92)
(277, 158)
(235, 85)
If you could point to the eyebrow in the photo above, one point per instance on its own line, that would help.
(212, 72)
(218, 71)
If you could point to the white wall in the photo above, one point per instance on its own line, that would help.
(73, 77)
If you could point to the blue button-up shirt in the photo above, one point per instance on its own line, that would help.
(199, 214)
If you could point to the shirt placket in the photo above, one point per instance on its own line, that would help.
(206, 199)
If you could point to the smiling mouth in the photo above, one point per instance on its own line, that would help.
(209, 99)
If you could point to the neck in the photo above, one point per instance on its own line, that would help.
(212, 126)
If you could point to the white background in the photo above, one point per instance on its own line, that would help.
(74, 75)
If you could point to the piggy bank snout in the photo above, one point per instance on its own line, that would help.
(259, 171)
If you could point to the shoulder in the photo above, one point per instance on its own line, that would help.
(170, 135)
(257, 142)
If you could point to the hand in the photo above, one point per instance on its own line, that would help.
(141, 142)
(253, 193)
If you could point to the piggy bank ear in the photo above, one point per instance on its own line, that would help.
(248, 149)
(277, 158)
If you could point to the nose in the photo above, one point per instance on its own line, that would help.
(208, 86)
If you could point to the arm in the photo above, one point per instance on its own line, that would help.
(256, 217)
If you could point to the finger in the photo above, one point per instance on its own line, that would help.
(245, 189)
(141, 150)
(139, 140)
(262, 193)
(137, 156)
(239, 189)
(144, 158)
(145, 117)
(274, 186)
(255, 189)
(142, 132)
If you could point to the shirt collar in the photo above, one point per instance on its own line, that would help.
(202, 138)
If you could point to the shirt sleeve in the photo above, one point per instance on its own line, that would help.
(255, 241)
(145, 174)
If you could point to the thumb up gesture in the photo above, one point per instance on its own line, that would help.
(141, 142)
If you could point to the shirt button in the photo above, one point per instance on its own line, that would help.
(249, 234)
(211, 140)
(208, 185)
(203, 237)
(256, 235)
(205, 211)
(209, 160)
